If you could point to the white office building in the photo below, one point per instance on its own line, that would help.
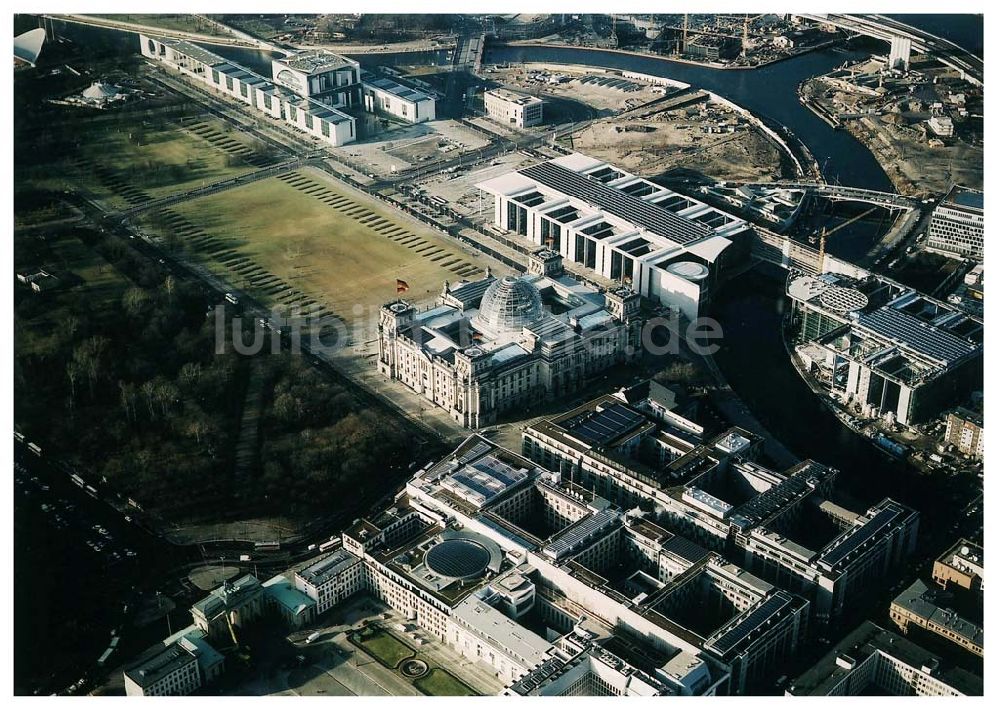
(872, 661)
(957, 224)
(532, 576)
(885, 348)
(782, 525)
(321, 75)
(382, 94)
(512, 108)
(318, 118)
(668, 247)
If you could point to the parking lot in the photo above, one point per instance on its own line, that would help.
(408, 146)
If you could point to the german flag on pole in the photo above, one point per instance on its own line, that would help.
(401, 286)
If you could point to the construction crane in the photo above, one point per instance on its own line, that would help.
(684, 40)
(746, 32)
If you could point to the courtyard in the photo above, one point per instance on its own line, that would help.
(366, 649)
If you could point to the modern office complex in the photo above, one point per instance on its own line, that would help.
(781, 526)
(576, 667)
(957, 224)
(321, 75)
(668, 247)
(513, 108)
(883, 348)
(276, 100)
(560, 592)
(874, 661)
(712, 47)
(382, 94)
(497, 343)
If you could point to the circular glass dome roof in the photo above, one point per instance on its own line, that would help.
(457, 558)
(508, 305)
(843, 300)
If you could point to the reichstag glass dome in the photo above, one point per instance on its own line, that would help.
(508, 305)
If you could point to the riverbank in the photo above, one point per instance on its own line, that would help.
(769, 93)
(893, 118)
(755, 362)
(420, 45)
(677, 59)
(651, 125)
(244, 41)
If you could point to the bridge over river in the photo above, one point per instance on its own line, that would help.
(904, 39)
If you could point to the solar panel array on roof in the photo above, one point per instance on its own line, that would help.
(614, 201)
(477, 450)
(195, 52)
(929, 341)
(855, 539)
(484, 491)
(457, 558)
(328, 567)
(601, 427)
(486, 478)
(684, 548)
(581, 532)
(394, 87)
(551, 329)
(965, 197)
(757, 618)
(773, 499)
(470, 293)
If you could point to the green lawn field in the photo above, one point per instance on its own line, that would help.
(384, 647)
(114, 161)
(441, 683)
(337, 246)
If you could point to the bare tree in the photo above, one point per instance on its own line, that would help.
(128, 399)
(149, 392)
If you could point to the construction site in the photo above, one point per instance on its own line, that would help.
(652, 125)
(924, 124)
(738, 40)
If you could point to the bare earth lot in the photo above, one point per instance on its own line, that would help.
(668, 144)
